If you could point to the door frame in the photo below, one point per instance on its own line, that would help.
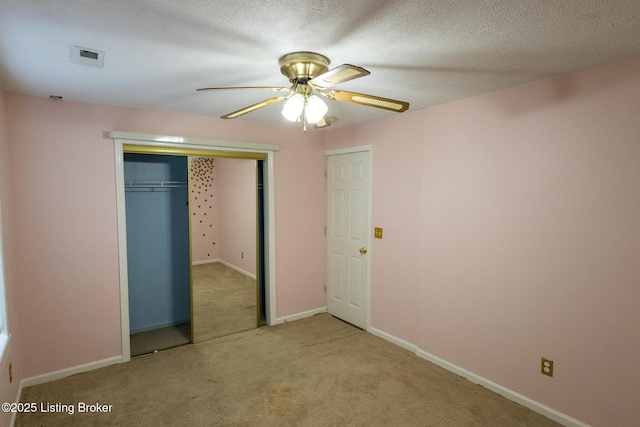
(180, 145)
(350, 150)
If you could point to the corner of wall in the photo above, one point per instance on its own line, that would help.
(10, 372)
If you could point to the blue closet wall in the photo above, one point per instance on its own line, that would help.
(157, 241)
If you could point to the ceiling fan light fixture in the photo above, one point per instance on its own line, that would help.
(293, 107)
(315, 109)
(309, 73)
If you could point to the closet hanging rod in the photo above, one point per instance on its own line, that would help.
(155, 184)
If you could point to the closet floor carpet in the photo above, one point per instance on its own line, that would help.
(160, 339)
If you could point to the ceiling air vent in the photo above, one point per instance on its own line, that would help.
(85, 56)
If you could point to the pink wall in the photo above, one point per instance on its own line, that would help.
(237, 212)
(203, 198)
(527, 237)
(64, 211)
(302, 189)
(8, 391)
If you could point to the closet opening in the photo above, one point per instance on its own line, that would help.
(196, 253)
(261, 156)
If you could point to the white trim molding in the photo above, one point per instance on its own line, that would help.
(5, 342)
(394, 340)
(188, 142)
(231, 266)
(122, 251)
(62, 373)
(206, 261)
(180, 142)
(349, 150)
(299, 316)
(238, 269)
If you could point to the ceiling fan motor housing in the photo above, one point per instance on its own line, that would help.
(300, 67)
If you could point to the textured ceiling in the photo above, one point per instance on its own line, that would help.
(157, 52)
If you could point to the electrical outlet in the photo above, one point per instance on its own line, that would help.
(547, 366)
(242, 255)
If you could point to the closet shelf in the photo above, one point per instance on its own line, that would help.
(154, 184)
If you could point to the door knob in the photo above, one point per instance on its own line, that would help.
(363, 250)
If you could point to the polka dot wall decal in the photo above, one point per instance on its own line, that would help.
(202, 180)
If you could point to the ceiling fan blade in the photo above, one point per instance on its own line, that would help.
(275, 89)
(323, 123)
(254, 107)
(343, 73)
(370, 100)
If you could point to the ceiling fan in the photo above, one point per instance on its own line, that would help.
(310, 76)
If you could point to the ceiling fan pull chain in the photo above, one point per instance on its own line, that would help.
(304, 117)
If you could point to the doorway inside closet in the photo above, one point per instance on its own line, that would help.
(224, 237)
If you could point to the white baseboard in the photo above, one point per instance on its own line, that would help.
(206, 261)
(394, 340)
(497, 388)
(238, 269)
(56, 375)
(299, 316)
(503, 391)
(15, 414)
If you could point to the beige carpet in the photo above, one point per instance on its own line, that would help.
(160, 339)
(317, 371)
(224, 301)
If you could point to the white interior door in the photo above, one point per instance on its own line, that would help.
(349, 200)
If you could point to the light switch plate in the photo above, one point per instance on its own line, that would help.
(377, 233)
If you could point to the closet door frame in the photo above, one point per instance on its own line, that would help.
(176, 145)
